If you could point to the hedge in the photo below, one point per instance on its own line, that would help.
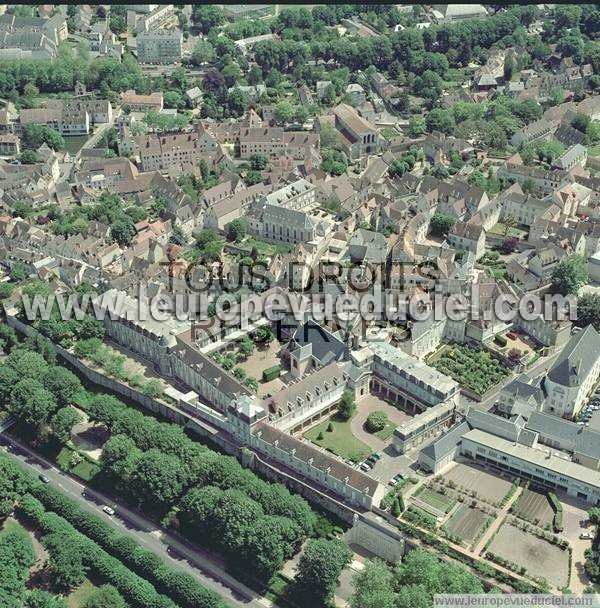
(271, 373)
(136, 591)
(501, 340)
(558, 512)
(183, 588)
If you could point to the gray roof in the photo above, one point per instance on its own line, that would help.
(448, 442)
(583, 439)
(577, 359)
(502, 427)
(326, 347)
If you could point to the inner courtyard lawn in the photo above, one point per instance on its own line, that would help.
(340, 440)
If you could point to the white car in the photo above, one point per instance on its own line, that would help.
(108, 510)
(585, 536)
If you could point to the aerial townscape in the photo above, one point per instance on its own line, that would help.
(234, 243)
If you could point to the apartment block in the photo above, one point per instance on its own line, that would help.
(160, 46)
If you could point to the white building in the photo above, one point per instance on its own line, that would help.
(574, 374)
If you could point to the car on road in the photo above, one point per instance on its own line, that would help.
(108, 510)
(586, 536)
(43, 478)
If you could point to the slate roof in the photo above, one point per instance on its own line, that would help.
(448, 442)
(326, 347)
(577, 359)
(584, 440)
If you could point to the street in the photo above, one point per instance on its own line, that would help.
(177, 553)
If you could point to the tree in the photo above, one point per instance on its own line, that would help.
(119, 457)
(237, 229)
(207, 16)
(42, 599)
(373, 586)
(440, 120)
(63, 422)
(66, 560)
(588, 310)
(376, 421)
(158, 479)
(319, 568)
(123, 231)
(105, 596)
(397, 506)
(62, 383)
(509, 67)
(238, 102)
(36, 135)
(284, 112)
(259, 162)
(203, 53)
(246, 346)
(569, 275)
(347, 405)
(441, 223)
(31, 402)
(29, 157)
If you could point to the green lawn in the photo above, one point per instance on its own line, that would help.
(594, 150)
(389, 133)
(79, 597)
(435, 499)
(266, 248)
(11, 526)
(85, 469)
(500, 229)
(340, 441)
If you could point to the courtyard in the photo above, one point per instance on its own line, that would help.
(488, 487)
(339, 440)
(263, 357)
(373, 403)
(539, 557)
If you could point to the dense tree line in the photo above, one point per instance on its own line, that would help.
(412, 583)
(157, 467)
(78, 541)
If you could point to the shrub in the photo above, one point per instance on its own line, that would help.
(271, 373)
(501, 340)
(376, 421)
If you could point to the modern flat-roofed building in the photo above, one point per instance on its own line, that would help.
(541, 466)
(160, 46)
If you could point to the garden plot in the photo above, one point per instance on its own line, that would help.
(534, 506)
(540, 557)
(488, 486)
(466, 523)
(435, 500)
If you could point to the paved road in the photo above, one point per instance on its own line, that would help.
(177, 553)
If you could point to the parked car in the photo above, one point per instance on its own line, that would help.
(586, 536)
(376, 455)
(392, 482)
(365, 466)
(512, 335)
(108, 510)
(44, 479)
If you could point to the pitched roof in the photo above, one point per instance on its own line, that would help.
(577, 359)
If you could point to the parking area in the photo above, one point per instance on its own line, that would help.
(489, 487)
(534, 506)
(466, 523)
(540, 557)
